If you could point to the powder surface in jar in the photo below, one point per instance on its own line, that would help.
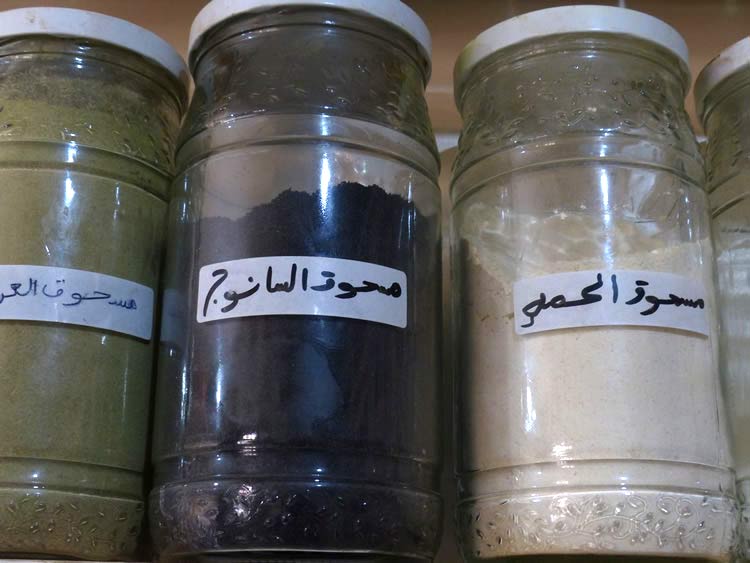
(609, 402)
(334, 401)
(85, 162)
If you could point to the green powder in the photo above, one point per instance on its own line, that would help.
(85, 164)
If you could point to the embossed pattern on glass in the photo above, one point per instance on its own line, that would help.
(573, 95)
(326, 70)
(727, 125)
(87, 134)
(308, 433)
(577, 155)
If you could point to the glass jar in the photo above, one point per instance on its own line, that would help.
(299, 362)
(590, 417)
(87, 129)
(721, 96)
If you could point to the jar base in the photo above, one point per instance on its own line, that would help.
(46, 523)
(262, 557)
(285, 519)
(614, 522)
(743, 493)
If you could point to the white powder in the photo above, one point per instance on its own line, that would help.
(579, 398)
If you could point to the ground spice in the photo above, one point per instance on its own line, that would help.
(85, 166)
(330, 419)
(597, 405)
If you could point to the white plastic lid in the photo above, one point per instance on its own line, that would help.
(729, 61)
(567, 19)
(394, 12)
(68, 22)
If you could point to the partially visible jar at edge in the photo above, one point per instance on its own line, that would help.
(722, 91)
(578, 166)
(287, 432)
(87, 130)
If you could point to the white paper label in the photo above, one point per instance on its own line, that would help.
(600, 298)
(302, 285)
(64, 295)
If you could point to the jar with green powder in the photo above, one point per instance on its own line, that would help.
(89, 109)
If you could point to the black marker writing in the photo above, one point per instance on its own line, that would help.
(235, 297)
(221, 275)
(534, 308)
(58, 293)
(615, 289)
(78, 298)
(656, 302)
(673, 300)
(33, 292)
(328, 285)
(129, 304)
(640, 293)
(286, 287)
(643, 300)
(231, 297)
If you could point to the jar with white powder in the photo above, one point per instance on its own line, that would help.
(722, 92)
(590, 418)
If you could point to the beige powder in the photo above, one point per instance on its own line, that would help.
(546, 416)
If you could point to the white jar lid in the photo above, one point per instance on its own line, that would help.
(68, 22)
(729, 61)
(394, 12)
(567, 19)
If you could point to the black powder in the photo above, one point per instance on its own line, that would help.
(305, 432)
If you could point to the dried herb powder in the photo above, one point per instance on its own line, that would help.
(304, 432)
(87, 132)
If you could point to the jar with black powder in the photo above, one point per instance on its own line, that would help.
(298, 394)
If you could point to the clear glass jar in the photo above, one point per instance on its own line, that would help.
(721, 95)
(590, 417)
(87, 131)
(282, 428)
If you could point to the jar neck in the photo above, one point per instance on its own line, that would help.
(82, 49)
(89, 95)
(303, 60)
(726, 120)
(550, 91)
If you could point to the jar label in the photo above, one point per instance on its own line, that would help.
(302, 285)
(601, 298)
(79, 297)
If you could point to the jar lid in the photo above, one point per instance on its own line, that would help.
(729, 61)
(394, 12)
(68, 22)
(567, 19)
